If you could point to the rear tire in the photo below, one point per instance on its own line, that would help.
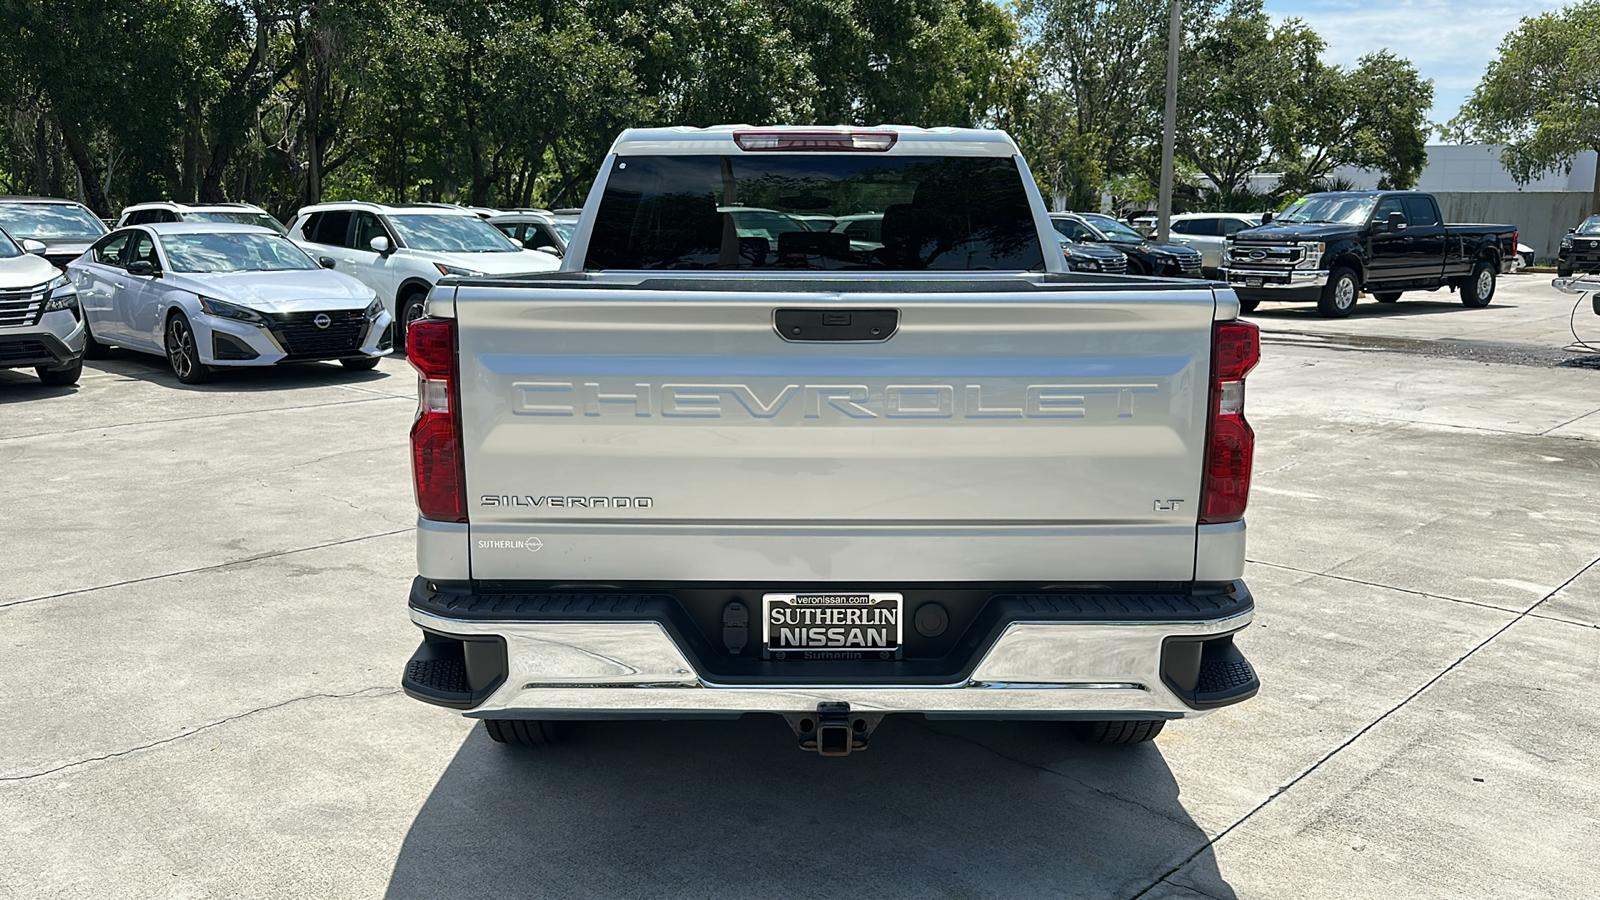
(525, 732)
(1339, 295)
(1479, 289)
(1118, 732)
(1387, 297)
(93, 349)
(1248, 306)
(61, 377)
(409, 308)
(365, 364)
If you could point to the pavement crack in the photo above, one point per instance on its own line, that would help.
(1377, 584)
(222, 415)
(1563, 621)
(235, 562)
(375, 691)
(1546, 432)
(1306, 772)
(1065, 777)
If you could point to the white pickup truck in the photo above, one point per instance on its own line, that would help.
(730, 460)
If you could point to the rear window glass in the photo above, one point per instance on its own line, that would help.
(237, 218)
(755, 211)
(1419, 212)
(50, 222)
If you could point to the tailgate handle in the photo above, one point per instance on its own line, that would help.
(836, 324)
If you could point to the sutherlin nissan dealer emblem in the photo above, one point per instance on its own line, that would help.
(323, 320)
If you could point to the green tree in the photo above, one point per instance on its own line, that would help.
(1373, 116)
(91, 67)
(1541, 95)
(1100, 64)
(1242, 85)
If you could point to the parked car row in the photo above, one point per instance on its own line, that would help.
(226, 285)
(1144, 257)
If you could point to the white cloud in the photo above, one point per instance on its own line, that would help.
(1450, 41)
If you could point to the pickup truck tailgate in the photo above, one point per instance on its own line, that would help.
(1006, 430)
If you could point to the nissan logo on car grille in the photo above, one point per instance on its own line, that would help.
(323, 320)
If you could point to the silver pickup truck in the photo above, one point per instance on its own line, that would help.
(731, 459)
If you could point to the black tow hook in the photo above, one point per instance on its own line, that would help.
(833, 730)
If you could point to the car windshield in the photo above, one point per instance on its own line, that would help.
(1333, 209)
(450, 234)
(233, 251)
(566, 230)
(50, 222)
(237, 218)
(1590, 225)
(932, 212)
(8, 247)
(1111, 228)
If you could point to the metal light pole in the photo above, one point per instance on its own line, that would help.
(1168, 134)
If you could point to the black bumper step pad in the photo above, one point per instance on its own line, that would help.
(454, 671)
(447, 676)
(1208, 672)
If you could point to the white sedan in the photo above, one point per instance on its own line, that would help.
(208, 295)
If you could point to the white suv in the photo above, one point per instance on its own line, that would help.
(402, 250)
(217, 213)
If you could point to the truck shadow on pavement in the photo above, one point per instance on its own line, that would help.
(1371, 309)
(732, 809)
(21, 386)
(251, 379)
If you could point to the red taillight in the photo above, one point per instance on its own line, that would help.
(1230, 444)
(436, 463)
(847, 141)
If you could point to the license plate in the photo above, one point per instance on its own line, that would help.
(832, 626)
(1252, 282)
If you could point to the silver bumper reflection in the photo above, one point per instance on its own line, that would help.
(634, 669)
(1278, 279)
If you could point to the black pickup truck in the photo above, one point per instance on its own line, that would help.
(1328, 248)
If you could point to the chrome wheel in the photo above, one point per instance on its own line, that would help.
(415, 309)
(182, 354)
(180, 346)
(1485, 284)
(1344, 293)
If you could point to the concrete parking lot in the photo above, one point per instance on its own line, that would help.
(203, 624)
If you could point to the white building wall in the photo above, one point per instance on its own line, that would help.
(1477, 167)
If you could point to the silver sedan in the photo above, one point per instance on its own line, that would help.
(208, 295)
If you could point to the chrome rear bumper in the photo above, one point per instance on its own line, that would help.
(1054, 670)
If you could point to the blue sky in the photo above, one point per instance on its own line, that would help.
(1450, 41)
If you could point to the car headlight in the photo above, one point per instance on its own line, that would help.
(455, 270)
(61, 293)
(374, 308)
(1566, 242)
(1313, 255)
(226, 310)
